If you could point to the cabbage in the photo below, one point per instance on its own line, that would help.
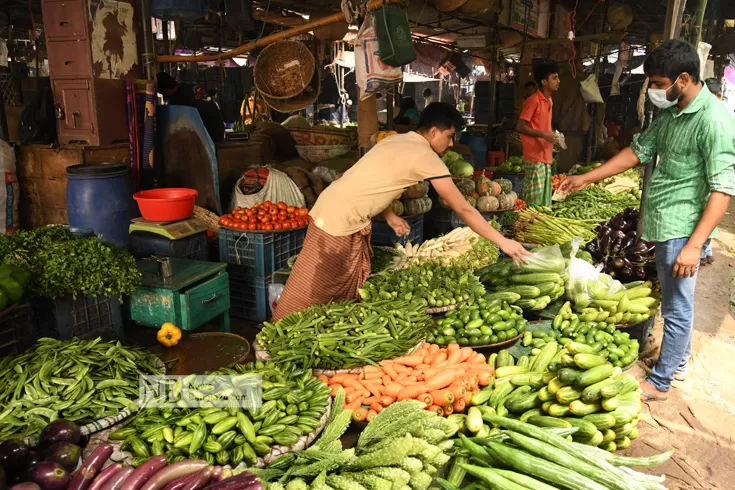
(450, 156)
(461, 168)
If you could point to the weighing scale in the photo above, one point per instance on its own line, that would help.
(185, 239)
(173, 230)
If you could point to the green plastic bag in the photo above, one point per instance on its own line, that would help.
(394, 36)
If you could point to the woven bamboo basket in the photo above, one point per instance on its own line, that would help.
(320, 136)
(299, 101)
(284, 69)
(316, 154)
(448, 5)
(208, 217)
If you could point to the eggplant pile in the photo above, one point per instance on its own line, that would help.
(623, 255)
(47, 466)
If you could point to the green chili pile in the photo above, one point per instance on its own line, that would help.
(76, 380)
(63, 264)
(346, 334)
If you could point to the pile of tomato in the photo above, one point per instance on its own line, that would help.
(266, 217)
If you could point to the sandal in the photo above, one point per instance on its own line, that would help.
(652, 397)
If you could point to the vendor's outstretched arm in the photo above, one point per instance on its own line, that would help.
(448, 191)
(618, 164)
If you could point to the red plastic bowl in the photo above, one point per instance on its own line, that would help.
(167, 204)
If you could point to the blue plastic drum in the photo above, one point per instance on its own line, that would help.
(100, 196)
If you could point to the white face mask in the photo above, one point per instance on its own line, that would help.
(660, 99)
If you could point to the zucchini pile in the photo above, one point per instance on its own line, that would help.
(293, 406)
(430, 283)
(488, 322)
(347, 334)
(402, 448)
(525, 456)
(636, 303)
(562, 388)
(602, 338)
(530, 286)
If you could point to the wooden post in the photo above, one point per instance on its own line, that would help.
(698, 21)
(367, 121)
(592, 135)
(389, 104)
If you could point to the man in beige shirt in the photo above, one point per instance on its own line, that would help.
(335, 259)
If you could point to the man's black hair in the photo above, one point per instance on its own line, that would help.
(440, 115)
(406, 103)
(671, 59)
(530, 83)
(714, 85)
(544, 70)
(427, 90)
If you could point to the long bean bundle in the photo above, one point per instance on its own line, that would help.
(346, 334)
(533, 226)
(592, 203)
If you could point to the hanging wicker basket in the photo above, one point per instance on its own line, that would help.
(283, 70)
(298, 102)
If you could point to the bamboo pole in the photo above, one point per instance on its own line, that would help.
(279, 36)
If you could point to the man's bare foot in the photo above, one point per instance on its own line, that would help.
(651, 394)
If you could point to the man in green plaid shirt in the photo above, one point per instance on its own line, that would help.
(689, 192)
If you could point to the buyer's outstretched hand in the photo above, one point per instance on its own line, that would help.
(399, 225)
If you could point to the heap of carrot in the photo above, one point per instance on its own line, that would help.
(444, 379)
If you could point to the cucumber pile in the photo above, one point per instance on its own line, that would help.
(530, 286)
(601, 337)
(430, 283)
(488, 322)
(561, 387)
(293, 405)
(634, 304)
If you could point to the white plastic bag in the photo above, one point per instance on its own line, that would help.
(274, 295)
(590, 91)
(586, 282)
(278, 187)
(546, 259)
(9, 190)
(372, 74)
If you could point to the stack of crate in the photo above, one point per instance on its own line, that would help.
(253, 257)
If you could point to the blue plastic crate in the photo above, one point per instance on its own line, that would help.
(458, 223)
(437, 222)
(248, 295)
(384, 234)
(515, 179)
(260, 254)
(85, 317)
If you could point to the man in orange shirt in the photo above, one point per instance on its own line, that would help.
(538, 139)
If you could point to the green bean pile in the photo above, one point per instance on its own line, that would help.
(592, 203)
(346, 334)
(76, 380)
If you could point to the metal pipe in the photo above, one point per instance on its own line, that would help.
(148, 50)
(270, 39)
